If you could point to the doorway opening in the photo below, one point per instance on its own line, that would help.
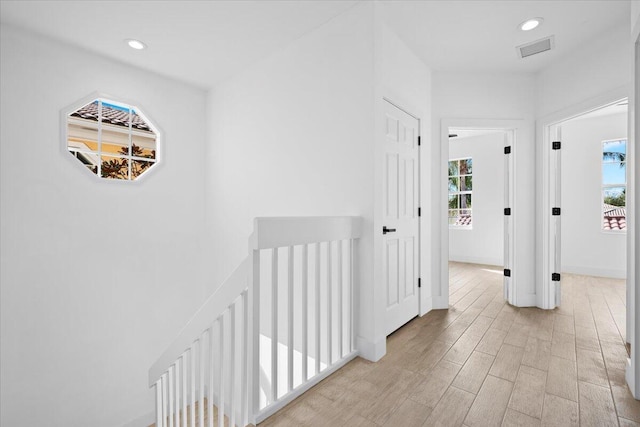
(476, 181)
(588, 194)
(478, 158)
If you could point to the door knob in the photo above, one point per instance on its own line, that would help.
(386, 230)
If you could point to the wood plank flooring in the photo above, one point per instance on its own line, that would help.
(486, 363)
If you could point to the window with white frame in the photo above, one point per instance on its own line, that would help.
(460, 192)
(112, 140)
(614, 185)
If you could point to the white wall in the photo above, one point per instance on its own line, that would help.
(593, 75)
(586, 249)
(96, 278)
(593, 69)
(292, 136)
(489, 96)
(483, 244)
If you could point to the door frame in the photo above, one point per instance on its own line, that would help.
(547, 293)
(633, 234)
(441, 301)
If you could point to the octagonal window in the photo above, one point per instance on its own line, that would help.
(112, 140)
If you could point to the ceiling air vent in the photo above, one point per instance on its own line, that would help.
(535, 47)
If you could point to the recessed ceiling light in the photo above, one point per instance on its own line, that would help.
(530, 24)
(136, 44)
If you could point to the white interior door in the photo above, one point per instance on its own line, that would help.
(400, 240)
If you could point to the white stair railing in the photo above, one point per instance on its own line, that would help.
(209, 355)
(303, 277)
(278, 325)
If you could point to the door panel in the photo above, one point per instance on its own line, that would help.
(400, 214)
(391, 188)
(392, 279)
(408, 201)
(409, 266)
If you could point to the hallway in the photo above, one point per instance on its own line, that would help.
(485, 363)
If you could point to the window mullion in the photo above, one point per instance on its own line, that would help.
(100, 138)
(130, 141)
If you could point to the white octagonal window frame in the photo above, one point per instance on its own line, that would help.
(111, 139)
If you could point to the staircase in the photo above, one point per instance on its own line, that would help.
(281, 323)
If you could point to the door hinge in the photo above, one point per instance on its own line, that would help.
(507, 211)
(555, 277)
(507, 150)
(555, 211)
(419, 282)
(419, 140)
(556, 145)
(507, 272)
(419, 211)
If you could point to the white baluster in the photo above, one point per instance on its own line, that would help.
(170, 387)
(192, 352)
(232, 365)
(329, 307)
(211, 379)
(339, 302)
(221, 357)
(274, 325)
(290, 321)
(244, 358)
(184, 389)
(177, 384)
(317, 310)
(164, 399)
(254, 406)
(305, 312)
(351, 335)
(159, 422)
(203, 351)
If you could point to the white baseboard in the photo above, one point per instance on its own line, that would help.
(527, 300)
(630, 377)
(440, 302)
(476, 259)
(595, 271)
(426, 305)
(370, 350)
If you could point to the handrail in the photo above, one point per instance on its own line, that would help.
(218, 302)
(274, 232)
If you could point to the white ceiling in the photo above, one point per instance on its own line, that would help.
(200, 42)
(483, 35)
(204, 42)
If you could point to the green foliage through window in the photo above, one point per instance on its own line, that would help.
(460, 191)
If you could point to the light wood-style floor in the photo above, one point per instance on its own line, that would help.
(486, 363)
